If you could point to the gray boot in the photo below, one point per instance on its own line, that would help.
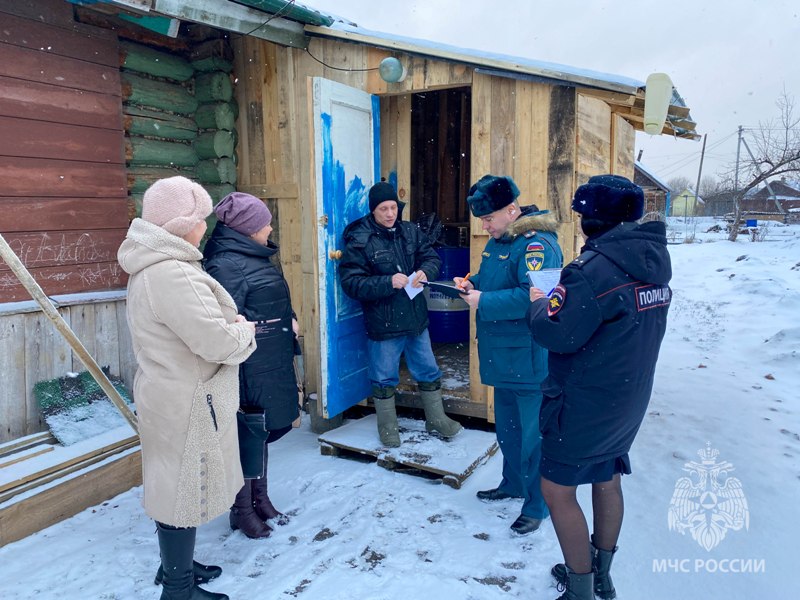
(577, 586)
(387, 416)
(435, 419)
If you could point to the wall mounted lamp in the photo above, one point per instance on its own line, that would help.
(657, 96)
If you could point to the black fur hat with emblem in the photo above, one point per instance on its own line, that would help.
(491, 193)
(610, 198)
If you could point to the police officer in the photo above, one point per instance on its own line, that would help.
(381, 251)
(523, 239)
(603, 325)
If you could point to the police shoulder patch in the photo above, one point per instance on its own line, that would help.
(556, 300)
(652, 296)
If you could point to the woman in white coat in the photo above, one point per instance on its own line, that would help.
(188, 340)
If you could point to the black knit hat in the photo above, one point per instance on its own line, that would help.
(491, 193)
(610, 198)
(381, 192)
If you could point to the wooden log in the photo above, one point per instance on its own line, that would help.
(144, 59)
(141, 178)
(216, 48)
(217, 193)
(213, 87)
(156, 153)
(212, 63)
(222, 170)
(214, 144)
(167, 129)
(218, 115)
(157, 94)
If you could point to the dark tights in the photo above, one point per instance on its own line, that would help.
(570, 523)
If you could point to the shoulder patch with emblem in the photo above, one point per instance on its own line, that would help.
(556, 300)
(652, 296)
(503, 256)
(486, 254)
(534, 261)
(534, 247)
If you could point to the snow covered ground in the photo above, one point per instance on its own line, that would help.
(728, 380)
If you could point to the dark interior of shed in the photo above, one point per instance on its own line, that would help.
(440, 181)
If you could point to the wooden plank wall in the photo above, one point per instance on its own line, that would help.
(525, 130)
(32, 350)
(62, 170)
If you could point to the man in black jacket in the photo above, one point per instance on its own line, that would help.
(603, 325)
(381, 254)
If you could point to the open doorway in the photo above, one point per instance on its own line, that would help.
(440, 180)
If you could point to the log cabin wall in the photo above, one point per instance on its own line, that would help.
(530, 130)
(62, 200)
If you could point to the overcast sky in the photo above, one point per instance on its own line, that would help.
(729, 59)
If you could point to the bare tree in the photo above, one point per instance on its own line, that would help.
(679, 183)
(775, 152)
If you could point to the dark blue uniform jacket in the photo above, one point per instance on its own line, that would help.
(603, 326)
(243, 267)
(506, 357)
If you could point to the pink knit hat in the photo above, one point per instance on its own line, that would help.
(243, 213)
(176, 204)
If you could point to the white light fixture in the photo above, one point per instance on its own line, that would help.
(657, 95)
(392, 70)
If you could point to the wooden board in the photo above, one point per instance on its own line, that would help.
(39, 139)
(452, 461)
(62, 178)
(65, 499)
(44, 249)
(55, 104)
(39, 66)
(60, 280)
(61, 214)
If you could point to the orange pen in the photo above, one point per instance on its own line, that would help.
(465, 280)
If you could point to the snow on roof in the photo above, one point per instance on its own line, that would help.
(649, 173)
(516, 64)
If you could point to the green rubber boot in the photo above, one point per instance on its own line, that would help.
(435, 419)
(387, 416)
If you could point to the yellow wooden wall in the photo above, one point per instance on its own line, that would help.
(549, 138)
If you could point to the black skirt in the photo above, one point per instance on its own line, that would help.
(571, 475)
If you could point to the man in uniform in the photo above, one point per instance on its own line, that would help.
(523, 239)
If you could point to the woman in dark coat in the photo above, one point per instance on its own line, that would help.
(603, 325)
(238, 255)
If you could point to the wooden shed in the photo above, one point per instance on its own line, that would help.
(316, 126)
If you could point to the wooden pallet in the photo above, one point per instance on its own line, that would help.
(420, 453)
(54, 488)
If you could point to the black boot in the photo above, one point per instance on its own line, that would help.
(261, 502)
(243, 515)
(177, 549)
(576, 586)
(202, 573)
(601, 561)
(601, 565)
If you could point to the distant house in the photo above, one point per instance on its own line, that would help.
(656, 192)
(785, 196)
(686, 204)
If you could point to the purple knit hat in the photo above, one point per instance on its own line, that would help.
(243, 213)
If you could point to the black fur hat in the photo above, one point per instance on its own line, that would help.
(491, 193)
(610, 198)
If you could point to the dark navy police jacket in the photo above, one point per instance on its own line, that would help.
(603, 326)
(243, 267)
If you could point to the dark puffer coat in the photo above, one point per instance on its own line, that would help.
(243, 267)
(372, 255)
(603, 325)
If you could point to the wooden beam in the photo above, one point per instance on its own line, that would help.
(34, 439)
(235, 17)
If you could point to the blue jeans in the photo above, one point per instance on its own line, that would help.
(516, 414)
(384, 359)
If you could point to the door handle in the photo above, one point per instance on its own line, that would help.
(335, 254)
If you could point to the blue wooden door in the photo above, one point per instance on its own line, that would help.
(346, 143)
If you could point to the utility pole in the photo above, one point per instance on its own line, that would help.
(697, 187)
